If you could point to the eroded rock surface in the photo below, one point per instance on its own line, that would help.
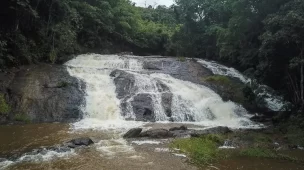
(43, 93)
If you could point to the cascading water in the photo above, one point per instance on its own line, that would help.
(193, 102)
(102, 106)
(190, 102)
(273, 101)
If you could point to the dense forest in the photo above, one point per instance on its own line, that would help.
(262, 38)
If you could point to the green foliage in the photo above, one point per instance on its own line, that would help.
(264, 36)
(53, 56)
(51, 31)
(266, 153)
(22, 118)
(202, 150)
(261, 35)
(181, 58)
(219, 80)
(258, 152)
(4, 107)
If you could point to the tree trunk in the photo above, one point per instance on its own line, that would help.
(302, 79)
(49, 20)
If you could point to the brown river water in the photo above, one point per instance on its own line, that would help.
(111, 152)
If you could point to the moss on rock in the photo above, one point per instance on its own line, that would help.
(22, 118)
(4, 107)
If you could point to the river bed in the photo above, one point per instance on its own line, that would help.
(110, 151)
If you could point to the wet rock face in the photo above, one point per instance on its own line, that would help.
(143, 107)
(80, 142)
(215, 130)
(140, 104)
(185, 70)
(45, 93)
(157, 133)
(133, 133)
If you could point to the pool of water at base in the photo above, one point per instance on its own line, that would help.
(111, 152)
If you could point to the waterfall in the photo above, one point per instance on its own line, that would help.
(190, 102)
(102, 106)
(193, 102)
(273, 102)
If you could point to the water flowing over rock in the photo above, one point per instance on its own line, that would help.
(269, 98)
(150, 89)
(130, 87)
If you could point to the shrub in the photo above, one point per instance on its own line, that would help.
(258, 152)
(22, 118)
(4, 107)
(182, 59)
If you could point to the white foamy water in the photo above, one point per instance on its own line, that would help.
(191, 102)
(102, 108)
(5, 164)
(273, 102)
(114, 147)
(43, 156)
(146, 142)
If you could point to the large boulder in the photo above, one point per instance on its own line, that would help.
(143, 107)
(178, 128)
(157, 133)
(43, 93)
(133, 133)
(214, 130)
(80, 142)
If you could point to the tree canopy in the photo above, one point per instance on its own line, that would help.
(263, 38)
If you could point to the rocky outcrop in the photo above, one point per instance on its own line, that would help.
(178, 128)
(176, 132)
(43, 93)
(157, 133)
(140, 103)
(215, 130)
(187, 70)
(133, 133)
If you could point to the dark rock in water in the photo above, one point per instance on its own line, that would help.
(124, 83)
(215, 130)
(125, 53)
(178, 128)
(292, 146)
(3, 160)
(143, 108)
(43, 93)
(141, 103)
(151, 66)
(157, 133)
(181, 133)
(167, 103)
(133, 133)
(80, 142)
(261, 118)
